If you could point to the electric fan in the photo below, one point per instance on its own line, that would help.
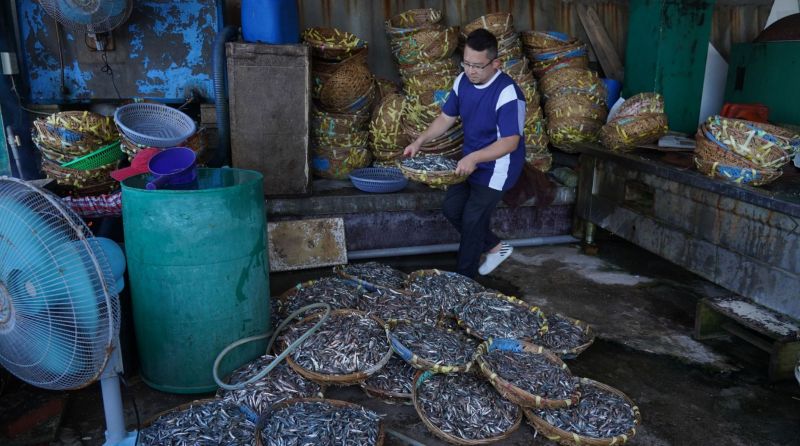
(59, 303)
(89, 16)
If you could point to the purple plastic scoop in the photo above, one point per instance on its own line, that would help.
(173, 167)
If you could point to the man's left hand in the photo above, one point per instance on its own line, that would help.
(465, 166)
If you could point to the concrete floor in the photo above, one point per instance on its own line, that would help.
(642, 309)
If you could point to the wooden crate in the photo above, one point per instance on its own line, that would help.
(744, 319)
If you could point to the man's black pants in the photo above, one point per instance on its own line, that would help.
(469, 208)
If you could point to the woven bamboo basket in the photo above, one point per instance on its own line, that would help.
(331, 43)
(710, 152)
(84, 123)
(570, 439)
(283, 300)
(411, 21)
(498, 23)
(563, 132)
(641, 103)
(428, 81)
(338, 380)
(53, 155)
(64, 142)
(336, 164)
(588, 335)
(541, 161)
(570, 49)
(445, 67)
(346, 86)
(426, 45)
(385, 88)
(568, 77)
(338, 403)
(736, 174)
(322, 70)
(75, 178)
(572, 98)
(385, 127)
(420, 363)
(543, 40)
(748, 140)
(328, 123)
(339, 270)
(438, 180)
(522, 305)
(347, 140)
(629, 132)
(513, 393)
(179, 408)
(418, 380)
(542, 67)
(537, 140)
(570, 109)
(387, 396)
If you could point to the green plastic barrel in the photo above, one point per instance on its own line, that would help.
(199, 275)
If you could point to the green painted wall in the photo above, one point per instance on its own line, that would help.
(766, 73)
(666, 53)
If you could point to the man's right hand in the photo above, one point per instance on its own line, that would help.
(411, 149)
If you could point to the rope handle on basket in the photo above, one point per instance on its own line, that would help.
(505, 345)
(399, 348)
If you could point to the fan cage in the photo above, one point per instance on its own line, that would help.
(89, 16)
(59, 315)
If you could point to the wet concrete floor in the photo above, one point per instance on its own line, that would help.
(642, 308)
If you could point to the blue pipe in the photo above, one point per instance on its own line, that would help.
(221, 96)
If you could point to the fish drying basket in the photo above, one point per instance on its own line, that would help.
(630, 131)
(419, 363)
(736, 174)
(588, 335)
(418, 380)
(378, 179)
(339, 380)
(498, 23)
(154, 125)
(338, 403)
(507, 389)
(283, 300)
(569, 439)
(523, 306)
(437, 179)
(331, 43)
(411, 21)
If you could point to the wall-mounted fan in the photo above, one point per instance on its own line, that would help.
(95, 18)
(59, 302)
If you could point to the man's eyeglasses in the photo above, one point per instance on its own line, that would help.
(467, 66)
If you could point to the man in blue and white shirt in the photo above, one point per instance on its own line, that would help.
(492, 110)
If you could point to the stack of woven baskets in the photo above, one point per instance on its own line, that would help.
(517, 65)
(550, 50)
(79, 150)
(575, 106)
(639, 120)
(743, 152)
(343, 90)
(422, 49)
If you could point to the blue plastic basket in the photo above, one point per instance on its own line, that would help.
(154, 125)
(378, 179)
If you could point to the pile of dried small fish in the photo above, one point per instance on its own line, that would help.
(465, 406)
(396, 377)
(489, 315)
(334, 291)
(377, 274)
(434, 344)
(448, 288)
(345, 343)
(533, 373)
(599, 414)
(281, 383)
(389, 305)
(321, 424)
(216, 422)
(562, 334)
(432, 163)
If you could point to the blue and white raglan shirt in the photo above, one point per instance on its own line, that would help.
(489, 112)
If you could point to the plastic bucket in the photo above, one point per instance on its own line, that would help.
(270, 21)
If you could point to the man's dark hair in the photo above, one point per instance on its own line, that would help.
(480, 40)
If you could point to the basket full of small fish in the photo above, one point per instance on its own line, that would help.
(428, 347)
(393, 305)
(203, 422)
(434, 170)
(372, 275)
(319, 422)
(337, 292)
(565, 336)
(281, 383)
(448, 288)
(527, 374)
(604, 416)
(463, 408)
(392, 383)
(493, 315)
(346, 349)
